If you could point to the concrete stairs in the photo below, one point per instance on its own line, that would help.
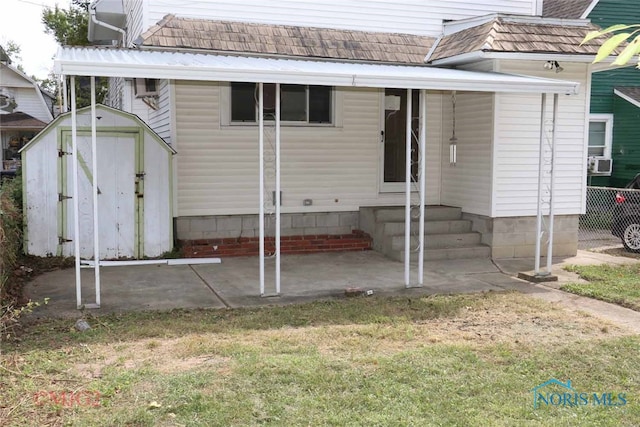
(447, 235)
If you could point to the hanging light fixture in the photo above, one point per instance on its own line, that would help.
(453, 141)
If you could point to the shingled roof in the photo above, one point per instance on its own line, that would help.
(632, 92)
(503, 34)
(20, 120)
(286, 40)
(565, 9)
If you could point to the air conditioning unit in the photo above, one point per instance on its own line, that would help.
(146, 87)
(602, 165)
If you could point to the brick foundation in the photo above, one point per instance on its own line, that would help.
(248, 246)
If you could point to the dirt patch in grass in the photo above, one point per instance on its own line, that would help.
(501, 319)
(161, 356)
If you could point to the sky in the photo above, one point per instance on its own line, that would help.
(20, 21)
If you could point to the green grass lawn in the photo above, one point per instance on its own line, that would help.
(460, 360)
(616, 284)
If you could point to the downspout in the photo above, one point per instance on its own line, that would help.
(96, 21)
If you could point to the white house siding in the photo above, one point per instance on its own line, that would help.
(140, 109)
(468, 183)
(135, 19)
(409, 16)
(517, 139)
(336, 167)
(115, 93)
(9, 78)
(31, 103)
(160, 120)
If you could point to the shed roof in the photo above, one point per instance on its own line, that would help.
(19, 120)
(566, 9)
(110, 62)
(629, 93)
(63, 116)
(505, 34)
(286, 40)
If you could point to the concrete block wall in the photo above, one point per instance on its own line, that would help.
(515, 237)
(236, 235)
(237, 226)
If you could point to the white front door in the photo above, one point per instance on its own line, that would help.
(117, 197)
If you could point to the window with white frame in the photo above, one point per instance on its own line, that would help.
(298, 103)
(600, 135)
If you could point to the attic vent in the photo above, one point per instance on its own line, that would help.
(146, 87)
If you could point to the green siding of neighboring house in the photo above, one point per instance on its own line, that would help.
(626, 148)
(603, 83)
(611, 12)
(626, 142)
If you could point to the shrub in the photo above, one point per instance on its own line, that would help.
(10, 241)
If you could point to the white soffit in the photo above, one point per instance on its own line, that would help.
(109, 62)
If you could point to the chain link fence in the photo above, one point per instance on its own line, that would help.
(607, 217)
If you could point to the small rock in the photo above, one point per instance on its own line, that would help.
(82, 325)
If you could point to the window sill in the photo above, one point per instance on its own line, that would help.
(269, 123)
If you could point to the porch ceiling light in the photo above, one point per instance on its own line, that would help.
(553, 65)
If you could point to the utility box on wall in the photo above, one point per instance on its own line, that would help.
(134, 188)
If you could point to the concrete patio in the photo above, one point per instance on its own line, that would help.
(234, 282)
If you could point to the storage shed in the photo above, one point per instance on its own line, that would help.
(134, 187)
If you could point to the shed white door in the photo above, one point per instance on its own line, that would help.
(117, 199)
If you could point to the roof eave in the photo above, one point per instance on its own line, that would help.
(194, 67)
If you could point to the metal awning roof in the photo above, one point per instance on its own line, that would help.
(110, 62)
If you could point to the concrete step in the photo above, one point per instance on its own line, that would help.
(434, 241)
(477, 251)
(430, 227)
(432, 213)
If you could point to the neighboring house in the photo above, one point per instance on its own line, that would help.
(614, 147)
(190, 70)
(25, 110)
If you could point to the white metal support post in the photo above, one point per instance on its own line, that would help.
(277, 198)
(543, 114)
(94, 168)
(76, 196)
(407, 208)
(546, 184)
(552, 183)
(422, 175)
(261, 180)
